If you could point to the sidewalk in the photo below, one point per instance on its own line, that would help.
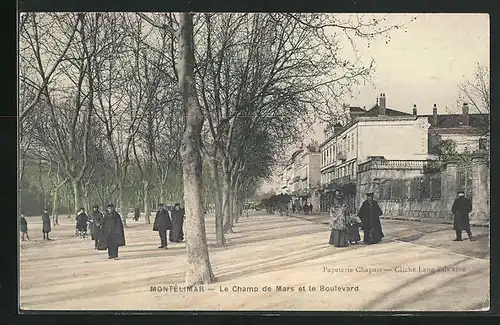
(432, 235)
(324, 217)
(270, 263)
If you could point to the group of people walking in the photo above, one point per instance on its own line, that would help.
(106, 229)
(169, 218)
(345, 230)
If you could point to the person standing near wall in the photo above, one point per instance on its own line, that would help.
(461, 208)
(370, 213)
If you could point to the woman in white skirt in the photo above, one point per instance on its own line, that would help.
(339, 214)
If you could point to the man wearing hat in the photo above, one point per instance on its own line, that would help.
(370, 213)
(461, 208)
(112, 234)
(95, 220)
(24, 226)
(162, 224)
(177, 214)
(46, 228)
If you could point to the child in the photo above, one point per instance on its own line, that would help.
(24, 227)
(353, 230)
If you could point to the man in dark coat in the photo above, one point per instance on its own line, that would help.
(162, 224)
(112, 234)
(81, 223)
(137, 213)
(24, 227)
(178, 215)
(370, 213)
(46, 228)
(96, 219)
(310, 208)
(461, 208)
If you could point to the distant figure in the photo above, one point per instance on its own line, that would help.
(24, 227)
(306, 208)
(112, 234)
(339, 221)
(162, 224)
(294, 208)
(178, 215)
(461, 208)
(137, 213)
(81, 223)
(370, 213)
(96, 219)
(310, 207)
(46, 228)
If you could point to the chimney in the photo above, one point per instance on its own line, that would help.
(465, 113)
(382, 104)
(434, 116)
(415, 109)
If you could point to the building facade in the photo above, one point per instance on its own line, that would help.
(377, 132)
(301, 176)
(469, 132)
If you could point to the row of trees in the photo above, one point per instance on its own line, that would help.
(148, 107)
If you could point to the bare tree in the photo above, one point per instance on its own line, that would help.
(477, 92)
(199, 268)
(43, 47)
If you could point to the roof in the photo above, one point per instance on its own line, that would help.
(456, 120)
(374, 111)
(356, 109)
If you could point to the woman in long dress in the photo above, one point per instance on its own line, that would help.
(339, 214)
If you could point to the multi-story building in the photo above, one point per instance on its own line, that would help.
(302, 173)
(377, 132)
(469, 132)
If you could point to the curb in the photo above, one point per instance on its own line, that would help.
(424, 220)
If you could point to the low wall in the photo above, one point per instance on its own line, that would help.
(425, 209)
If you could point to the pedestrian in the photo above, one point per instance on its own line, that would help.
(46, 228)
(461, 208)
(370, 213)
(137, 213)
(339, 221)
(176, 234)
(293, 208)
(353, 231)
(310, 208)
(162, 224)
(24, 227)
(95, 220)
(112, 234)
(81, 223)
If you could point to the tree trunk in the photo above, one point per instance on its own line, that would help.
(123, 204)
(227, 205)
(219, 216)
(76, 194)
(55, 215)
(199, 270)
(147, 207)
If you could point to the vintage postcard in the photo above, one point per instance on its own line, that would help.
(253, 161)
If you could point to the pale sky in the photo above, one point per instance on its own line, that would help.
(423, 65)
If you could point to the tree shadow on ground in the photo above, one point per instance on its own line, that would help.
(248, 231)
(112, 285)
(254, 240)
(254, 268)
(371, 304)
(414, 237)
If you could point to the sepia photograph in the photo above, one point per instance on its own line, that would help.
(239, 161)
